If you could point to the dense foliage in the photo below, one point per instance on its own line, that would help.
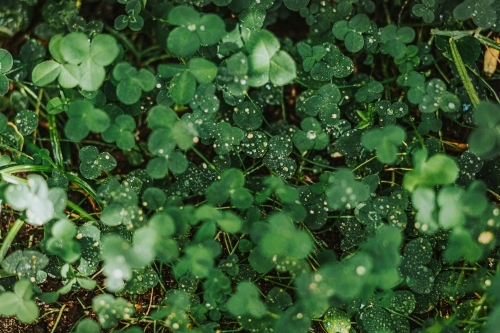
(239, 165)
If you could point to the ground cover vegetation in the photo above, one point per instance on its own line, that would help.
(254, 166)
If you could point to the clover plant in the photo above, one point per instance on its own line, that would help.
(250, 166)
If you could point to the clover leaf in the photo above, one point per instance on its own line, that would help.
(62, 241)
(390, 112)
(482, 12)
(254, 144)
(436, 97)
(370, 92)
(247, 116)
(333, 63)
(93, 163)
(416, 82)
(324, 102)
(311, 136)
(193, 29)
(78, 61)
(246, 301)
(111, 310)
(83, 119)
(385, 141)
(182, 87)
(425, 10)
(162, 144)
(132, 82)
(205, 99)
(429, 123)
(120, 131)
(26, 122)
(26, 264)
(485, 140)
(233, 74)
(343, 189)
(439, 169)
(38, 201)
(20, 302)
(133, 20)
(276, 159)
(336, 320)
(87, 325)
(394, 40)
(229, 187)
(226, 137)
(6, 63)
(351, 32)
(267, 62)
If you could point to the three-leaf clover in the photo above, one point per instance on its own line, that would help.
(437, 97)
(6, 63)
(193, 29)
(351, 32)
(394, 40)
(311, 135)
(485, 139)
(425, 10)
(84, 118)
(62, 241)
(388, 112)
(78, 61)
(230, 186)
(343, 189)
(277, 159)
(132, 82)
(182, 86)
(439, 169)
(133, 20)
(385, 141)
(110, 309)
(246, 301)
(93, 163)
(20, 302)
(370, 92)
(39, 202)
(120, 131)
(26, 264)
(267, 62)
(483, 13)
(227, 136)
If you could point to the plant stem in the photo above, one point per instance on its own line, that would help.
(54, 141)
(462, 72)
(9, 238)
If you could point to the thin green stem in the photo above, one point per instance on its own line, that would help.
(197, 152)
(76, 208)
(84, 186)
(9, 238)
(54, 141)
(462, 73)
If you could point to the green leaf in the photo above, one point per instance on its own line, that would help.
(104, 50)
(282, 69)
(111, 310)
(336, 320)
(252, 18)
(75, 48)
(6, 61)
(439, 169)
(182, 42)
(91, 75)
(183, 87)
(343, 189)
(46, 72)
(295, 5)
(261, 47)
(246, 301)
(26, 122)
(210, 29)
(20, 302)
(25, 264)
(385, 141)
(87, 325)
(247, 116)
(204, 71)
